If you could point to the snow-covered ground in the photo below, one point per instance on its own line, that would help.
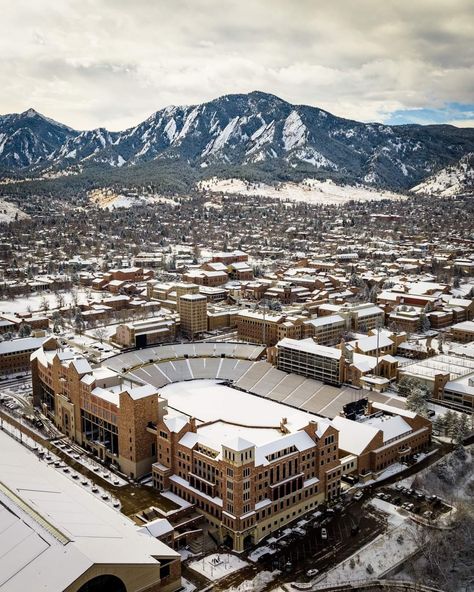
(107, 198)
(309, 190)
(449, 181)
(451, 478)
(382, 554)
(218, 565)
(8, 212)
(258, 583)
(35, 302)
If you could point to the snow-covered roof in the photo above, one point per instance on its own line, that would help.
(373, 342)
(354, 437)
(391, 426)
(175, 423)
(82, 530)
(311, 347)
(107, 395)
(140, 392)
(239, 420)
(364, 363)
(157, 528)
(394, 410)
(467, 326)
(19, 345)
(323, 321)
(81, 365)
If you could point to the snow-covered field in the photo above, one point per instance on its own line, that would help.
(34, 302)
(106, 198)
(309, 190)
(218, 565)
(8, 212)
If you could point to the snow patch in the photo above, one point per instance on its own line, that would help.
(218, 565)
(294, 131)
(309, 190)
(8, 212)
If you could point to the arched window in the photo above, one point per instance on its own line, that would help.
(105, 583)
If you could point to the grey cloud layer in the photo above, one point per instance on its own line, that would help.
(113, 62)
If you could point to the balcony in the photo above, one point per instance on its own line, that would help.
(152, 428)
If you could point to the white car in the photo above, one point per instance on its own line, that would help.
(358, 495)
(324, 534)
(312, 572)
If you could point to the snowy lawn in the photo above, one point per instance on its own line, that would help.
(34, 302)
(218, 565)
(258, 583)
(309, 191)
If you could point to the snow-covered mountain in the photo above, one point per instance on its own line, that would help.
(248, 131)
(453, 180)
(29, 138)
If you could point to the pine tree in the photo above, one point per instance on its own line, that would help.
(439, 425)
(25, 330)
(405, 385)
(450, 420)
(425, 324)
(461, 429)
(416, 401)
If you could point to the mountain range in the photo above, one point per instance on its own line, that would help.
(254, 133)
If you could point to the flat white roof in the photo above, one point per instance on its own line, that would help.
(310, 347)
(208, 400)
(323, 321)
(467, 326)
(18, 345)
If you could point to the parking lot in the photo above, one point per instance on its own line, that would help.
(414, 501)
(324, 541)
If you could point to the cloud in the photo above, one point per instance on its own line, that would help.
(461, 115)
(112, 63)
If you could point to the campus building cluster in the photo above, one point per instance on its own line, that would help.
(248, 464)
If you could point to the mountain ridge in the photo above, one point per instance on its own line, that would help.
(249, 132)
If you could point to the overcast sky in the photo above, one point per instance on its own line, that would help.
(112, 63)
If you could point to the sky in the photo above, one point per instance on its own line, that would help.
(112, 63)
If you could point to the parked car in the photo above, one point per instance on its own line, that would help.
(312, 572)
(358, 495)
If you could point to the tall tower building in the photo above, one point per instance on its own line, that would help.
(193, 314)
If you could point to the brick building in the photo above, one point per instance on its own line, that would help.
(15, 354)
(96, 408)
(463, 332)
(249, 473)
(192, 314)
(147, 332)
(384, 436)
(256, 326)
